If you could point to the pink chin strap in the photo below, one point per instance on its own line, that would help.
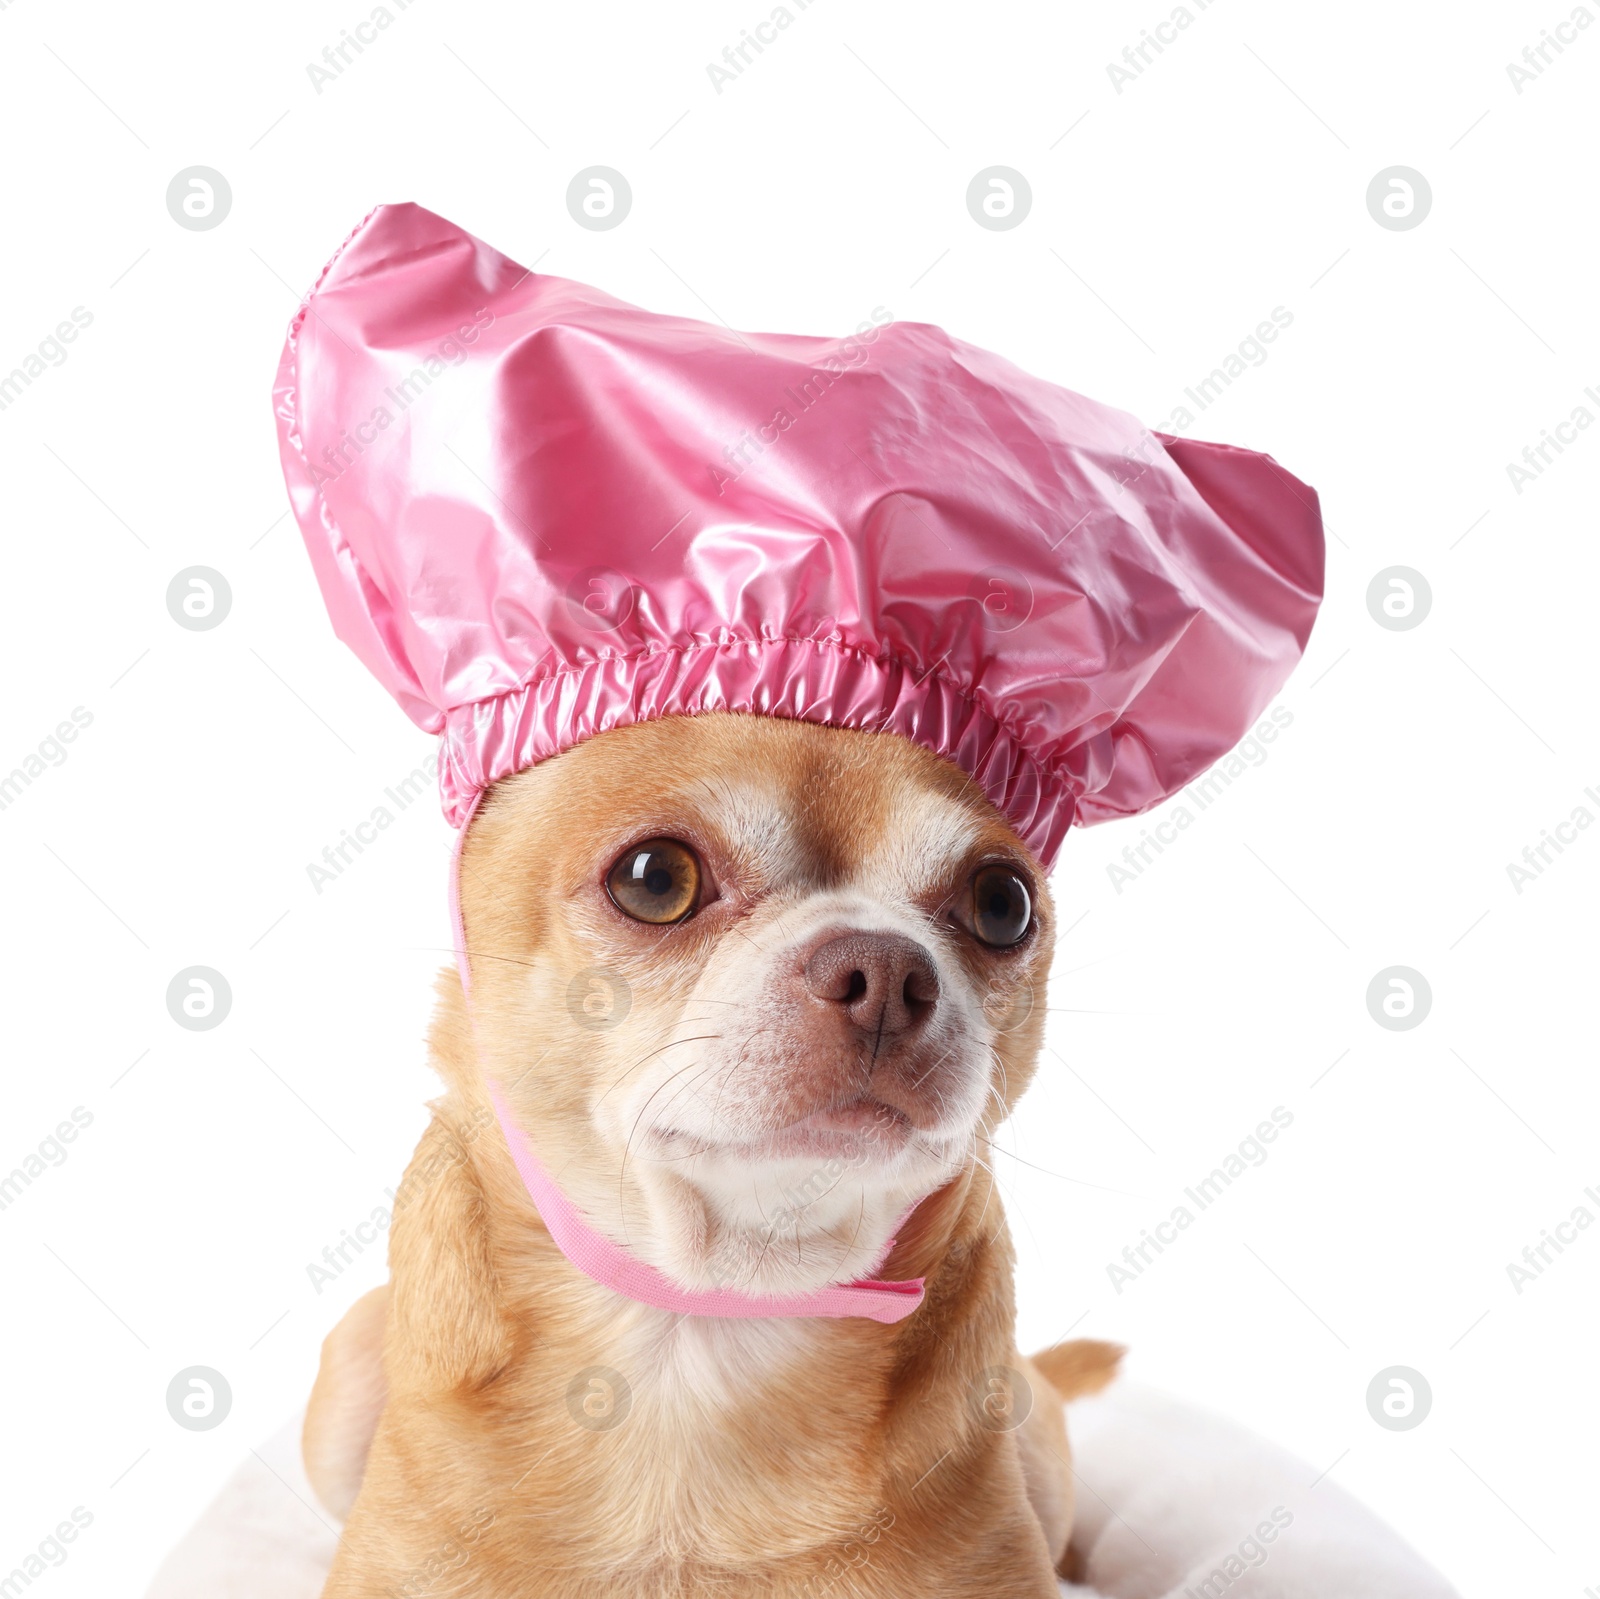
(608, 1264)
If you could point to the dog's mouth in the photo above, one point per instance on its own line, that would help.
(862, 1131)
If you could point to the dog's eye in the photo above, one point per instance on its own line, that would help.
(657, 881)
(1002, 910)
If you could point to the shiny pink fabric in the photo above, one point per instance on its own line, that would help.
(536, 513)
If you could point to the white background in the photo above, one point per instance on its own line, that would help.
(1230, 978)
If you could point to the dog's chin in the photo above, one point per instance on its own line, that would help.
(795, 1208)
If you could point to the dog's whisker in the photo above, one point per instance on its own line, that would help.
(480, 955)
(690, 1088)
(655, 1093)
(641, 1061)
(653, 1033)
(695, 1021)
(713, 1106)
(861, 1218)
(931, 1069)
(627, 1146)
(1061, 1176)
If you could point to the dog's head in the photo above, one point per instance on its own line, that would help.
(752, 986)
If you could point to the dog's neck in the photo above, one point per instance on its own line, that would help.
(741, 1252)
(765, 1406)
(636, 1428)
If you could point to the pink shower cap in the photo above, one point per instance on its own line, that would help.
(537, 513)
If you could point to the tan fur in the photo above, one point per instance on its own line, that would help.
(1080, 1368)
(762, 1457)
(346, 1401)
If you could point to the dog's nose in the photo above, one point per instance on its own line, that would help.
(886, 984)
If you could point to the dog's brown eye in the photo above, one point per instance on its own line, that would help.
(657, 881)
(1002, 910)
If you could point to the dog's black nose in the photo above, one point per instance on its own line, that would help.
(886, 984)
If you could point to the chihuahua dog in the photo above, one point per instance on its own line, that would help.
(754, 989)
